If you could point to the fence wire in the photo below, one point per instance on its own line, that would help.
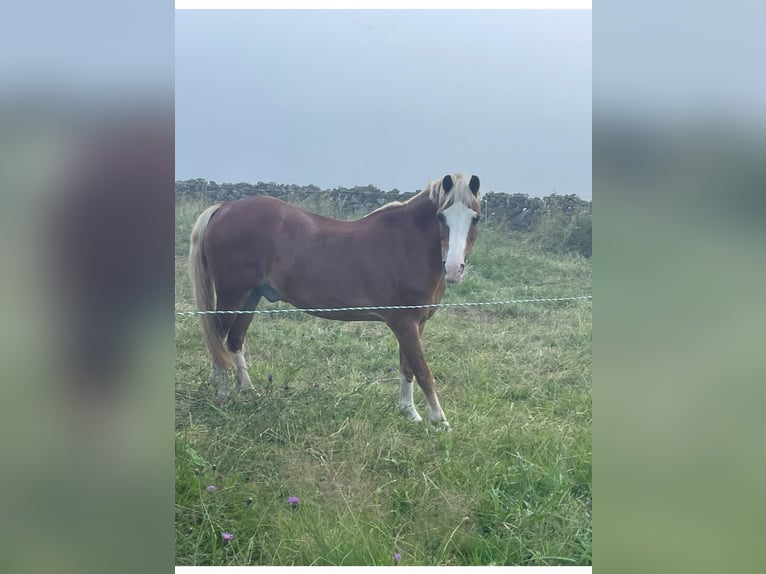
(383, 307)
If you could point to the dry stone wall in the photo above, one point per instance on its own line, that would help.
(519, 210)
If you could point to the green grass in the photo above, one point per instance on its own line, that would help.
(510, 485)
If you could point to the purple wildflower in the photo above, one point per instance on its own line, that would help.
(211, 488)
(294, 500)
(226, 536)
(397, 557)
(390, 370)
(271, 378)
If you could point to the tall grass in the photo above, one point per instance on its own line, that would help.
(560, 232)
(510, 485)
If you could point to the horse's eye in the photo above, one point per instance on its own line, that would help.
(442, 218)
(476, 219)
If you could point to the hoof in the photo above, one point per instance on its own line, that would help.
(441, 426)
(410, 414)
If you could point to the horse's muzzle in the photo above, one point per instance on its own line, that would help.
(453, 274)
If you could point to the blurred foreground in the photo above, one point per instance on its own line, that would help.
(86, 217)
(679, 144)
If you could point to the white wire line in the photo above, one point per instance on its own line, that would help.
(383, 307)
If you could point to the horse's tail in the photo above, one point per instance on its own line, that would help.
(204, 292)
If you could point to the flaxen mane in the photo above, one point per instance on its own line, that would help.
(460, 192)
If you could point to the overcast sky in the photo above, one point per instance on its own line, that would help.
(392, 98)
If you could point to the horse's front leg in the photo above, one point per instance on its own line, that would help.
(408, 334)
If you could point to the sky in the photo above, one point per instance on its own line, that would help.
(392, 98)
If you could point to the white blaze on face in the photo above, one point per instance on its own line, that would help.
(458, 219)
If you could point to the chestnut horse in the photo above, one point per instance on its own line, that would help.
(400, 254)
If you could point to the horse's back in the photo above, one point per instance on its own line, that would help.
(264, 209)
(258, 206)
(242, 218)
(263, 238)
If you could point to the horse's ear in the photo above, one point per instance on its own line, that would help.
(473, 185)
(447, 183)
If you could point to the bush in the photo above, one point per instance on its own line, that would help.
(561, 232)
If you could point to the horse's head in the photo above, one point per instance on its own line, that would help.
(458, 211)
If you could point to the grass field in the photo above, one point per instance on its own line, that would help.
(510, 485)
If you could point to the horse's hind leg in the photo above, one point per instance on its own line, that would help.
(236, 340)
(219, 374)
(407, 382)
(219, 377)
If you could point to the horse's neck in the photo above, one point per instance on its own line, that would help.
(421, 208)
(422, 201)
(410, 233)
(421, 214)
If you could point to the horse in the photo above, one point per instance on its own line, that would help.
(403, 253)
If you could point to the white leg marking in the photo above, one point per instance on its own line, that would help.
(243, 378)
(406, 405)
(436, 414)
(219, 377)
